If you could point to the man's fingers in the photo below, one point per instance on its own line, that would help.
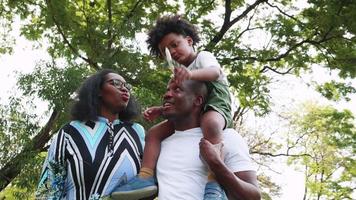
(202, 142)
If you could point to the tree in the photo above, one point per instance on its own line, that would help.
(326, 137)
(93, 34)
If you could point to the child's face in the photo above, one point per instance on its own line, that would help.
(180, 47)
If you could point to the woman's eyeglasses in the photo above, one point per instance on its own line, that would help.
(119, 84)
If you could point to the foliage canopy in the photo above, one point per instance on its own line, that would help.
(253, 40)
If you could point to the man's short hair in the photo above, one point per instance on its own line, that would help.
(198, 88)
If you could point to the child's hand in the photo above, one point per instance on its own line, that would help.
(152, 113)
(181, 74)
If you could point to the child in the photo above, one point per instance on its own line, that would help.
(179, 37)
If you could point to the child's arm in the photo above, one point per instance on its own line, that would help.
(153, 139)
(152, 113)
(203, 74)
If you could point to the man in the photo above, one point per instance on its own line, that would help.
(181, 173)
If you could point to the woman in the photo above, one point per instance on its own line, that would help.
(100, 149)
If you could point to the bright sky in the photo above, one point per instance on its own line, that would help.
(287, 91)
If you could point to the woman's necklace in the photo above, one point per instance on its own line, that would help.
(111, 138)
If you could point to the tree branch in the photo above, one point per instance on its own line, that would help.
(248, 27)
(265, 68)
(126, 20)
(299, 138)
(248, 9)
(269, 168)
(227, 23)
(66, 41)
(110, 41)
(284, 13)
(238, 115)
(285, 54)
(280, 154)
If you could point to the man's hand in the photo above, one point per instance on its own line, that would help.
(152, 113)
(237, 185)
(181, 74)
(209, 152)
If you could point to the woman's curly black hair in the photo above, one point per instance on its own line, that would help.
(87, 104)
(170, 24)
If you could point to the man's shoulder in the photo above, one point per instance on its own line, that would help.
(231, 132)
(233, 137)
(236, 150)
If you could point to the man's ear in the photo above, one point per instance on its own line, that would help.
(199, 100)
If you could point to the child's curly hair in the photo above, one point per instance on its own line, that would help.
(170, 24)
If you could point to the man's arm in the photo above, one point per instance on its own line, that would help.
(238, 185)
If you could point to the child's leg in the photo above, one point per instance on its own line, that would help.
(143, 185)
(212, 125)
(152, 148)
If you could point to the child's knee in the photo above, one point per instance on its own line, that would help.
(213, 121)
(213, 134)
(215, 126)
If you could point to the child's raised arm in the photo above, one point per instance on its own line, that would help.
(203, 74)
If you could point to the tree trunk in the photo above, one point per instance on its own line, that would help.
(305, 183)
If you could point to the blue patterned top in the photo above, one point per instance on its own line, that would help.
(88, 160)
